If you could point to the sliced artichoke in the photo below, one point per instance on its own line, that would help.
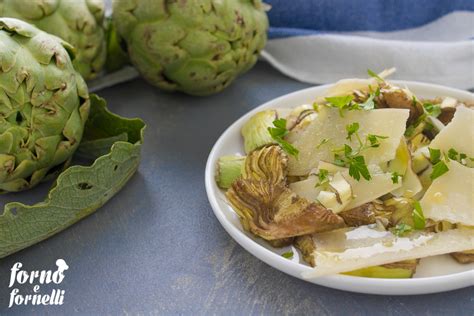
(267, 207)
(364, 214)
(255, 131)
(44, 104)
(397, 270)
(464, 256)
(398, 98)
(79, 22)
(305, 244)
(229, 169)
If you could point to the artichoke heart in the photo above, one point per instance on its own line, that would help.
(267, 207)
(44, 104)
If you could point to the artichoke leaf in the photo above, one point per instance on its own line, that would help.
(78, 191)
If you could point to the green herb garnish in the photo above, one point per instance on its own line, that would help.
(288, 254)
(351, 130)
(369, 104)
(374, 75)
(280, 131)
(323, 176)
(453, 154)
(395, 177)
(418, 217)
(374, 140)
(342, 103)
(439, 169)
(432, 109)
(435, 155)
(324, 141)
(402, 229)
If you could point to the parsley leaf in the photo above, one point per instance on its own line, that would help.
(340, 102)
(435, 155)
(323, 176)
(418, 217)
(432, 109)
(453, 154)
(287, 255)
(357, 167)
(369, 104)
(395, 177)
(351, 130)
(280, 131)
(402, 229)
(374, 140)
(439, 169)
(374, 75)
(324, 141)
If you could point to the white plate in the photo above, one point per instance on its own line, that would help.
(435, 274)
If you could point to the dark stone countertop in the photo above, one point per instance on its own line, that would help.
(156, 248)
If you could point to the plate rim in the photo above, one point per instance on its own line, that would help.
(424, 285)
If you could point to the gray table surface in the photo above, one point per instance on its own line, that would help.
(156, 248)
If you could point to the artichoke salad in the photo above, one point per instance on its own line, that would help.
(46, 116)
(365, 181)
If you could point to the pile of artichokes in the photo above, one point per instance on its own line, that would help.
(198, 47)
(48, 48)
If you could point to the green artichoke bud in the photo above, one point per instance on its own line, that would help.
(44, 104)
(195, 46)
(79, 22)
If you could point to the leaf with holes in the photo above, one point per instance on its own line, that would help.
(79, 190)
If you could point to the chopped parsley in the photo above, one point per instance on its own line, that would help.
(432, 109)
(280, 131)
(439, 169)
(324, 141)
(459, 157)
(349, 157)
(288, 254)
(402, 229)
(435, 155)
(374, 75)
(351, 130)
(418, 217)
(369, 104)
(323, 176)
(342, 103)
(358, 167)
(395, 177)
(375, 140)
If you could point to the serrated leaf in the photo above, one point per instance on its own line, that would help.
(80, 190)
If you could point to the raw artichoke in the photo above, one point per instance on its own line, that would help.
(79, 22)
(194, 46)
(44, 104)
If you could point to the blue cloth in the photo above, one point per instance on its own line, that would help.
(322, 41)
(304, 17)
